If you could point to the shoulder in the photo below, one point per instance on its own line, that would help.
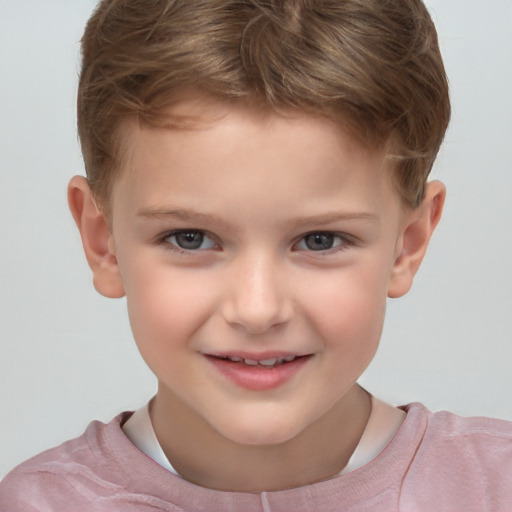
(68, 474)
(462, 462)
(483, 440)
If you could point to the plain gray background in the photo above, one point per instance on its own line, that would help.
(67, 355)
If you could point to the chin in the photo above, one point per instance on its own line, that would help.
(257, 433)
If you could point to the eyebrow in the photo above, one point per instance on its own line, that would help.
(184, 214)
(331, 217)
(194, 216)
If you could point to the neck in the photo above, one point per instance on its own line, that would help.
(205, 457)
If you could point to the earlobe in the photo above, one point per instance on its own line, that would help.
(415, 238)
(96, 238)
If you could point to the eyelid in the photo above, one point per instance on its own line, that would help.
(162, 239)
(346, 242)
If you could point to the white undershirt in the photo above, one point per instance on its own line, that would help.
(141, 433)
(383, 423)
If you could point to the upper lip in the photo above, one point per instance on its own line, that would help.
(253, 356)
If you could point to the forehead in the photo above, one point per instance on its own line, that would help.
(193, 111)
(200, 147)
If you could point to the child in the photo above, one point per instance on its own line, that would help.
(257, 186)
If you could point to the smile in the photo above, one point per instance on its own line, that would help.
(258, 374)
(267, 363)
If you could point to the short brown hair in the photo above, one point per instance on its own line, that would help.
(374, 66)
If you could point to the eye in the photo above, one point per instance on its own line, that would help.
(321, 241)
(190, 240)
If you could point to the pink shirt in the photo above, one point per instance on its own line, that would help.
(437, 462)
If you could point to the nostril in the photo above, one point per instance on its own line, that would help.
(257, 301)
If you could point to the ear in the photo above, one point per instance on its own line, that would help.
(415, 238)
(97, 238)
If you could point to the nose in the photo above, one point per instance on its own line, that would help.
(258, 298)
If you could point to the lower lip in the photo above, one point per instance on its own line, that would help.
(258, 378)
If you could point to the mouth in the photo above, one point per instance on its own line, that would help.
(261, 372)
(269, 362)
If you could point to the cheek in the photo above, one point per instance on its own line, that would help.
(165, 306)
(349, 311)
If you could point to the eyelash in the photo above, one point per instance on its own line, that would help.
(164, 240)
(345, 241)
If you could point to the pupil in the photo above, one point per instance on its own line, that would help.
(319, 241)
(190, 240)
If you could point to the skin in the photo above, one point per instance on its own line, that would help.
(255, 186)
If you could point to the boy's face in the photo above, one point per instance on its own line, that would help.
(255, 238)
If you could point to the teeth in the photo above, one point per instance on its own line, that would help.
(275, 361)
